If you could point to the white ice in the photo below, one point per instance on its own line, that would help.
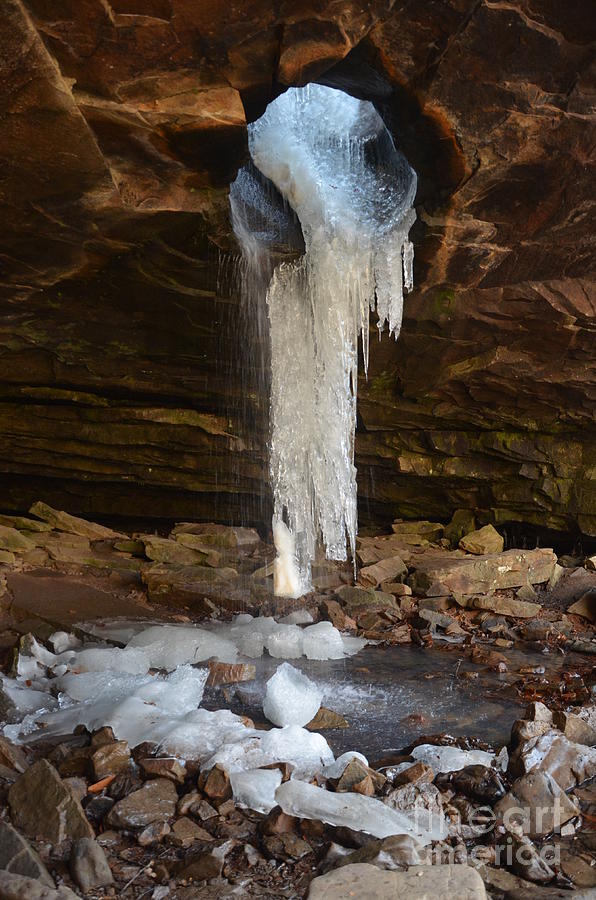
(306, 750)
(336, 769)
(256, 788)
(450, 759)
(291, 698)
(332, 159)
(349, 809)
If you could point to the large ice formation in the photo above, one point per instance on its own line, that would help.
(333, 160)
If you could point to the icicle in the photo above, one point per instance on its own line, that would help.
(333, 161)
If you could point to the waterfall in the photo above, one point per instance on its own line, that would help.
(333, 161)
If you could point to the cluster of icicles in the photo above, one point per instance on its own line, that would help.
(333, 161)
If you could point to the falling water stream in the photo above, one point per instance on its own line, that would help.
(334, 163)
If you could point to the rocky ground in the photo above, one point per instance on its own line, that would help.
(90, 815)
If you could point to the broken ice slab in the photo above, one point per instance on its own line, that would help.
(351, 810)
(450, 759)
(256, 788)
(307, 751)
(291, 698)
(168, 646)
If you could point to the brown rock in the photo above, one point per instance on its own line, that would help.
(229, 673)
(435, 577)
(535, 805)
(286, 845)
(585, 606)
(505, 606)
(482, 542)
(63, 521)
(154, 833)
(163, 767)
(110, 759)
(384, 570)
(185, 832)
(12, 756)
(102, 736)
(278, 822)
(360, 778)
(41, 805)
(432, 531)
(418, 773)
(338, 618)
(217, 786)
(18, 857)
(154, 802)
(326, 718)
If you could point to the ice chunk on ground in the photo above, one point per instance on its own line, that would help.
(256, 788)
(291, 698)
(351, 810)
(297, 617)
(308, 751)
(137, 708)
(450, 759)
(285, 642)
(61, 641)
(322, 641)
(131, 660)
(336, 769)
(168, 646)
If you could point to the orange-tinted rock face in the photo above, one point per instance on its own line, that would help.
(121, 126)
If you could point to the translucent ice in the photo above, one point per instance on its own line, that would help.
(290, 697)
(332, 159)
(98, 659)
(168, 646)
(297, 617)
(323, 641)
(450, 759)
(256, 788)
(351, 810)
(307, 751)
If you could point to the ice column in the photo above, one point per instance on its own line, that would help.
(334, 162)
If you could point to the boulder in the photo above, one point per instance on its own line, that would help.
(163, 550)
(535, 805)
(18, 856)
(482, 542)
(507, 606)
(358, 600)
(183, 585)
(440, 576)
(367, 882)
(585, 606)
(20, 887)
(42, 805)
(154, 802)
(12, 541)
(88, 865)
(568, 763)
(384, 570)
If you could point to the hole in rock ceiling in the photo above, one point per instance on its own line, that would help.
(322, 214)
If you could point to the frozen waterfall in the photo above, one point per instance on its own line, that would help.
(333, 161)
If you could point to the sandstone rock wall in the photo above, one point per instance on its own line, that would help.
(121, 125)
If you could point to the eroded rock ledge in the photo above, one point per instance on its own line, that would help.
(120, 134)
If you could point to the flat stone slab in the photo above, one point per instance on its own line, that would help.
(437, 576)
(366, 882)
